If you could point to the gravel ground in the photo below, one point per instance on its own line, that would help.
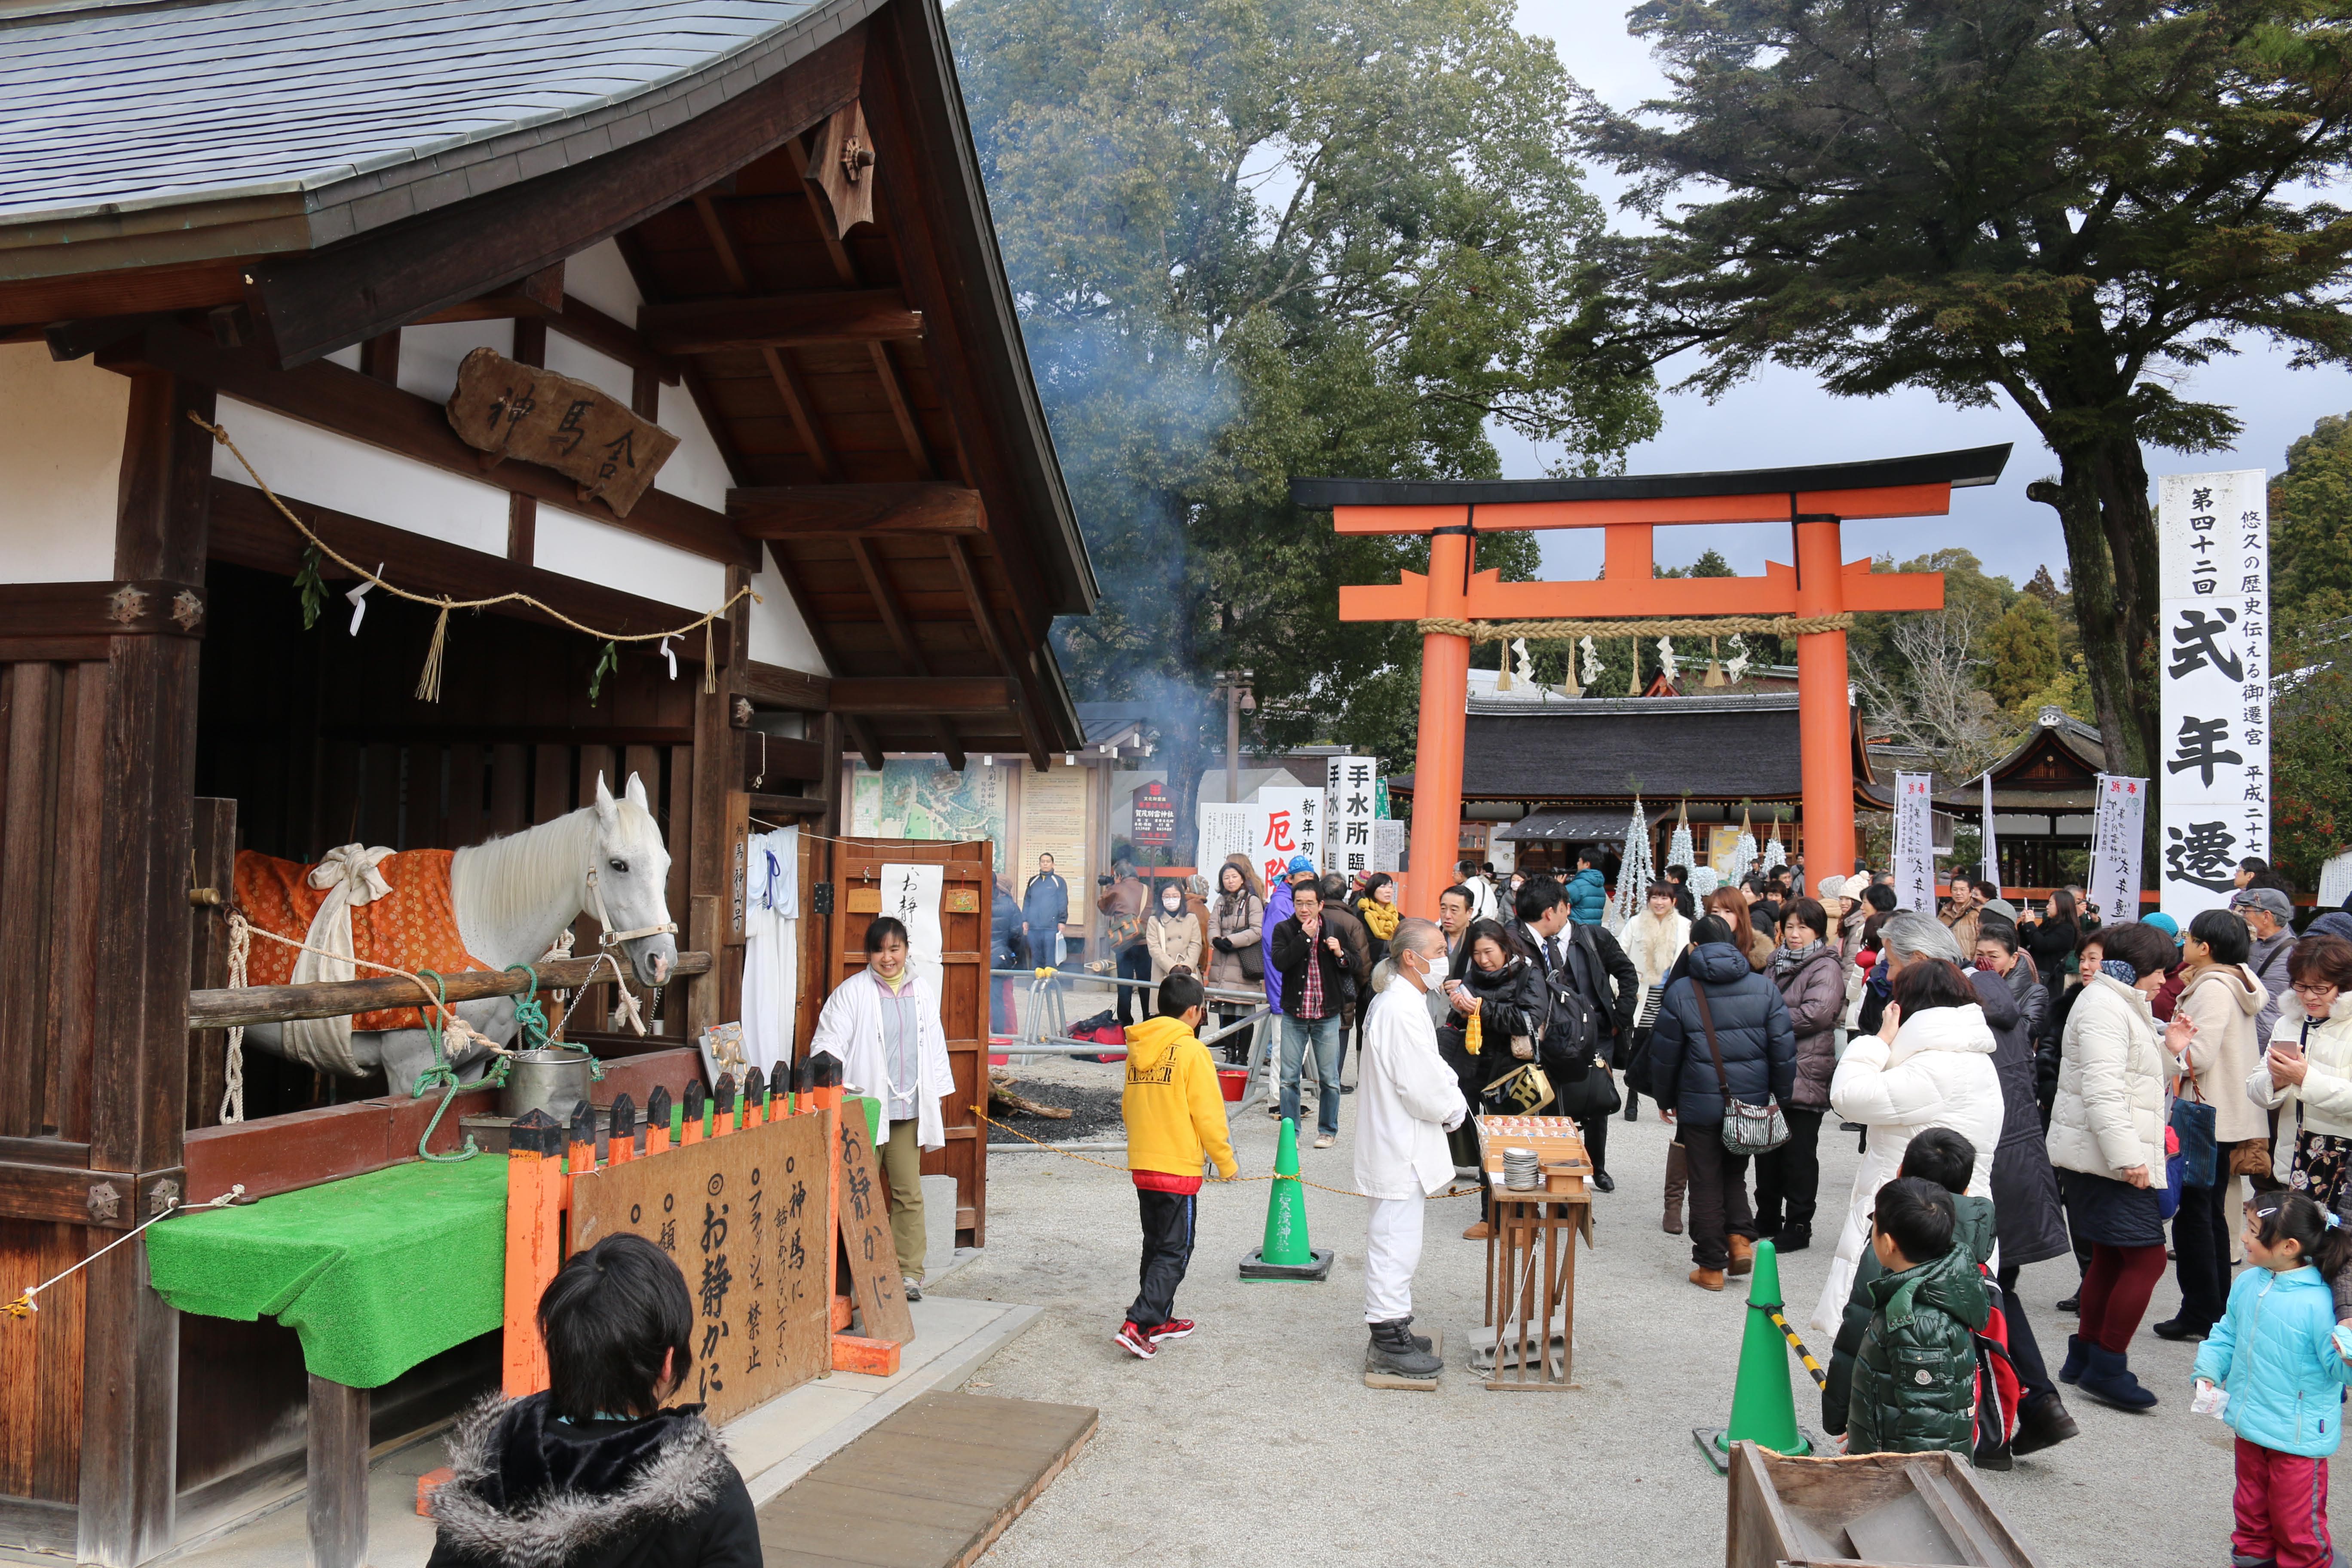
(1255, 1441)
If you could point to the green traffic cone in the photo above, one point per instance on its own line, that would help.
(1285, 1254)
(1763, 1406)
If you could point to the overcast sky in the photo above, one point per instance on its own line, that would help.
(1784, 416)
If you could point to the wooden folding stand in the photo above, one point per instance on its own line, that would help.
(1521, 1296)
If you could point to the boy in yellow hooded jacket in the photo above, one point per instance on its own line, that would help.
(1175, 1118)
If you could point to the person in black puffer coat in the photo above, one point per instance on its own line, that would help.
(1810, 973)
(1496, 978)
(1759, 1060)
(592, 1472)
(2028, 1217)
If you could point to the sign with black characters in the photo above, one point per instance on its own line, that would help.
(2213, 674)
(744, 1217)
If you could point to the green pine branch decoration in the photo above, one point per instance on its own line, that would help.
(311, 586)
(607, 663)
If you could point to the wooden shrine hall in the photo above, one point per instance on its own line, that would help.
(406, 257)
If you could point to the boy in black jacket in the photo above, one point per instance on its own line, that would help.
(594, 1473)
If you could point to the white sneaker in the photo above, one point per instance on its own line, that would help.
(1324, 1140)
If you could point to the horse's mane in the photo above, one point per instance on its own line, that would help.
(509, 874)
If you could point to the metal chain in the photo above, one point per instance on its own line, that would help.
(1229, 1181)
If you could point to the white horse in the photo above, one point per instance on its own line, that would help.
(513, 896)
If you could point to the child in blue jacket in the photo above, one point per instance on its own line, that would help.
(2284, 1372)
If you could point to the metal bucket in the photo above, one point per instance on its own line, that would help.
(554, 1080)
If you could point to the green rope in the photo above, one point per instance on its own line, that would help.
(442, 1074)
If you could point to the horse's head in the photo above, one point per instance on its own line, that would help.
(632, 872)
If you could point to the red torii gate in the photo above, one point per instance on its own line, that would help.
(1821, 587)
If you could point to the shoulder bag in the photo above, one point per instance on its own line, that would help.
(1746, 1128)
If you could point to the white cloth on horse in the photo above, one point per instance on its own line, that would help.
(349, 876)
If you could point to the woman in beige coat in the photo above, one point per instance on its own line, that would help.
(2107, 1137)
(2214, 1016)
(1173, 934)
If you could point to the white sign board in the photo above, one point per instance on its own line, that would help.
(2213, 674)
(2114, 887)
(1989, 859)
(1289, 823)
(912, 894)
(1347, 818)
(1388, 846)
(1915, 843)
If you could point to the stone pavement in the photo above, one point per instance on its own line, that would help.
(1255, 1441)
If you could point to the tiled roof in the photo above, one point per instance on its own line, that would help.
(109, 108)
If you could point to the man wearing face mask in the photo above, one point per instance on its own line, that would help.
(882, 1025)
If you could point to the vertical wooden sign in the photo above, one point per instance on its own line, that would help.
(744, 1217)
(875, 1286)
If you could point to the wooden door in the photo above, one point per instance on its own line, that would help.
(965, 906)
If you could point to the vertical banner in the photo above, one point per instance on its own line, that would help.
(912, 894)
(1290, 823)
(1988, 861)
(1348, 818)
(2213, 672)
(1915, 843)
(2114, 888)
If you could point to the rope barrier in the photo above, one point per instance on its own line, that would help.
(1569, 631)
(428, 685)
(1229, 1181)
(1820, 1378)
(25, 1306)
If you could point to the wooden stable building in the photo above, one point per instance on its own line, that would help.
(757, 226)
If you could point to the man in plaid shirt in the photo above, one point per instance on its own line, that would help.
(1318, 983)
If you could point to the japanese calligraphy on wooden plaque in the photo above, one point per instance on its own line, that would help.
(579, 430)
(744, 1217)
(875, 1287)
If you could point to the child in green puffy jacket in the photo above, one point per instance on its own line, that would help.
(1914, 1376)
(2278, 1360)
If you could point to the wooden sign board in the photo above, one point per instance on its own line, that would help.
(744, 1217)
(875, 1286)
(580, 431)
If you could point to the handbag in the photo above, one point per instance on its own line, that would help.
(1583, 1096)
(1522, 1091)
(1253, 961)
(2193, 1120)
(1746, 1128)
(2250, 1157)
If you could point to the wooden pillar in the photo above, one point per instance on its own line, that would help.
(144, 800)
(717, 996)
(336, 1505)
(1437, 759)
(1824, 716)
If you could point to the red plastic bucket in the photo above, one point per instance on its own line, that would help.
(1233, 1080)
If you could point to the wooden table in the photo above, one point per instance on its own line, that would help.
(1523, 1291)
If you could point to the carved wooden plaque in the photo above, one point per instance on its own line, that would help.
(580, 431)
(744, 1217)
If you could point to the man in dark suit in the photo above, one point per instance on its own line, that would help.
(1585, 961)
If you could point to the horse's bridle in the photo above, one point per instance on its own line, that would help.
(612, 938)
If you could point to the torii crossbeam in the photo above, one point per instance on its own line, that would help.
(1822, 586)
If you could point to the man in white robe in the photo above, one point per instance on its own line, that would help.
(1406, 1101)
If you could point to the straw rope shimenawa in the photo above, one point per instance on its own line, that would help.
(1569, 631)
(428, 685)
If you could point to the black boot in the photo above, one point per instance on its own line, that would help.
(1793, 1237)
(1420, 1342)
(1768, 1220)
(2078, 1359)
(2043, 1423)
(2183, 1327)
(1394, 1353)
(2109, 1379)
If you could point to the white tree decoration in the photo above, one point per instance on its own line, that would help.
(1679, 851)
(1776, 854)
(1666, 660)
(1592, 664)
(1743, 853)
(1634, 873)
(1736, 665)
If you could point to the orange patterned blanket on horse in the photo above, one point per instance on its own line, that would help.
(413, 927)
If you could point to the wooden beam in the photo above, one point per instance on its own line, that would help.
(244, 1005)
(335, 1504)
(819, 511)
(349, 404)
(248, 530)
(902, 633)
(983, 615)
(150, 607)
(770, 759)
(791, 387)
(779, 321)
(788, 806)
(888, 694)
(861, 735)
(591, 329)
(314, 304)
(380, 357)
(536, 297)
(774, 685)
(182, 286)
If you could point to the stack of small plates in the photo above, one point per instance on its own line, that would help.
(1522, 1170)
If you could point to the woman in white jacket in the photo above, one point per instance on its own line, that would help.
(2107, 1137)
(882, 1023)
(2309, 1066)
(1930, 1064)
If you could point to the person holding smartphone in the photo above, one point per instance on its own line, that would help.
(2309, 1067)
